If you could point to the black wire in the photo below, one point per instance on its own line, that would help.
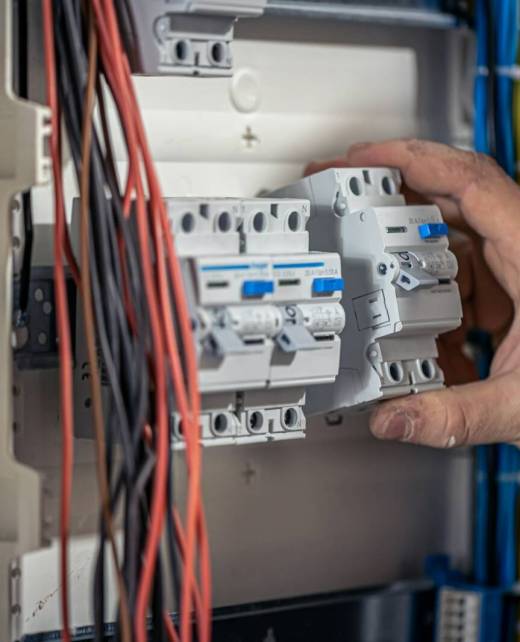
(102, 276)
(124, 353)
(22, 89)
(491, 78)
(25, 272)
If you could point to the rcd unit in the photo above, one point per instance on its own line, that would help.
(266, 314)
(400, 290)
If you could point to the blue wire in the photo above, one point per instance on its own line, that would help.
(480, 93)
(505, 14)
(506, 514)
(480, 552)
(481, 144)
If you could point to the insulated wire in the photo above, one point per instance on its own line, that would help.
(96, 288)
(481, 144)
(195, 518)
(162, 441)
(194, 461)
(152, 226)
(90, 332)
(62, 318)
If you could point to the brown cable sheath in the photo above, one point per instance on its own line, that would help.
(90, 331)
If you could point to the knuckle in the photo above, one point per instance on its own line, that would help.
(416, 146)
(453, 420)
(459, 423)
(484, 164)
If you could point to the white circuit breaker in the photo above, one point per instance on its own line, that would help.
(400, 290)
(184, 37)
(266, 311)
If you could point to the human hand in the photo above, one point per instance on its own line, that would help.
(483, 204)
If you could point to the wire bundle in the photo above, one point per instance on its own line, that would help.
(496, 26)
(496, 123)
(137, 325)
(505, 16)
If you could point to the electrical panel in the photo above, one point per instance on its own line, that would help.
(400, 289)
(184, 37)
(266, 313)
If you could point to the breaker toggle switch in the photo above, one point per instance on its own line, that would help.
(433, 230)
(294, 335)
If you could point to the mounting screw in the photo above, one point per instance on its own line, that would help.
(382, 268)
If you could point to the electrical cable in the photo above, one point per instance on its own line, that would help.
(140, 614)
(89, 323)
(25, 272)
(481, 138)
(22, 89)
(139, 318)
(62, 317)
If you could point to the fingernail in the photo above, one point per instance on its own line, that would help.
(392, 426)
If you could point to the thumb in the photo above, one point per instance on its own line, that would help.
(477, 413)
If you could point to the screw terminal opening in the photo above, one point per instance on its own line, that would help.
(224, 222)
(188, 223)
(427, 369)
(388, 186)
(256, 421)
(259, 222)
(354, 186)
(220, 423)
(395, 370)
(290, 418)
(294, 221)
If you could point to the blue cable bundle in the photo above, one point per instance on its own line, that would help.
(505, 16)
(496, 25)
(507, 478)
(481, 135)
(481, 143)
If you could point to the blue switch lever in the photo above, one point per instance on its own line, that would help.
(433, 230)
(252, 289)
(327, 285)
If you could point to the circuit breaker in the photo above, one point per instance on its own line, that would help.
(184, 37)
(400, 290)
(267, 316)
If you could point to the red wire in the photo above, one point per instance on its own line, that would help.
(163, 338)
(62, 316)
(122, 89)
(195, 517)
(158, 502)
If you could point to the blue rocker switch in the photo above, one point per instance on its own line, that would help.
(326, 285)
(433, 230)
(255, 289)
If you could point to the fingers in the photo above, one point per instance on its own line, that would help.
(476, 413)
(478, 287)
(457, 367)
(489, 200)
